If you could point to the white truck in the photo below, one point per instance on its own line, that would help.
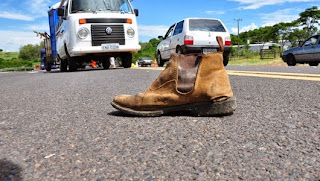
(96, 30)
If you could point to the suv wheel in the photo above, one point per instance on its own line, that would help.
(225, 60)
(291, 61)
(314, 63)
(179, 50)
(160, 62)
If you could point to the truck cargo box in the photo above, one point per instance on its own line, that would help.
(53, 21)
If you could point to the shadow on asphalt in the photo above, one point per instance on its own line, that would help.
(9, 171)
(173, 114)
(82, 70)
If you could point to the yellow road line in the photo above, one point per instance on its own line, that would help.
(274, 75)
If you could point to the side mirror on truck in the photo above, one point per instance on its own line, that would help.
(136, 12)
(60, 12)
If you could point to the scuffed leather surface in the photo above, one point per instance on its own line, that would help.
(211, 84)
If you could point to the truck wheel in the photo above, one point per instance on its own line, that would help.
(63, 65)
(72, 64)
(48, 66)
(160, 62)
(314, 63)
(106, 63)
(126, 60)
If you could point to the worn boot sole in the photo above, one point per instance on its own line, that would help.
(197, 109)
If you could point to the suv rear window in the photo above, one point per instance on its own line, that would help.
(205, 25)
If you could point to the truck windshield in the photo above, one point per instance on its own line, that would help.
(206, 25)
(85, 6)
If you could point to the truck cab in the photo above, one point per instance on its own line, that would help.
(96, 30)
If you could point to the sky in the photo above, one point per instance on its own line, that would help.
(19, 18)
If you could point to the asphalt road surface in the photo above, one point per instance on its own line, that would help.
(61, 126)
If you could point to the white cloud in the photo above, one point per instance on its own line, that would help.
(256, 4)
(152, 31)
(12, 40)
(283, 15)
(214, 12)
(26, 11)
(41, 27)
(15, 16)
(244, 29)
(39, 8)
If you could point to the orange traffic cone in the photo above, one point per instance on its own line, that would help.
(93, 64)
(155, 63)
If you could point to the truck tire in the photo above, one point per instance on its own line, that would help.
(63, 65)
(106, 63)
(48, 66)
(72, 64)
(126, 60)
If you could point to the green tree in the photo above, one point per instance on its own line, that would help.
(30, 52)
(309, 19)
(147, 49)
(262, 35)
(235, 40)
(283, 31)
(1, 50)
(296, 36)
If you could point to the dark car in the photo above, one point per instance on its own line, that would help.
(145, 61)
(307, 52)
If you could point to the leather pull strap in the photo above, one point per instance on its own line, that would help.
(220, 42)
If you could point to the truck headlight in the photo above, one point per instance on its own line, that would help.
(83, 33)
(131, 32)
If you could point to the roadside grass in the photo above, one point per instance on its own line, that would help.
(9, 55)
(256, 61)
(11, 59)
(36, 63)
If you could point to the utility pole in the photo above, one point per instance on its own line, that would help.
(238, 20)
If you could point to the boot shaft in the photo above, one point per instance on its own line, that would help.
(200, 75)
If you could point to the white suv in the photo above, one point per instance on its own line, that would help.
(194, 35)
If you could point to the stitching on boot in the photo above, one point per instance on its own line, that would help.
(166, 76)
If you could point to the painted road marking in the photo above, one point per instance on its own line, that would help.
(274, 75)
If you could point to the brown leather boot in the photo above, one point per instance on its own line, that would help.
(195, 83)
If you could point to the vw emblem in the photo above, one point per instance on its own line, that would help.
(109, 30)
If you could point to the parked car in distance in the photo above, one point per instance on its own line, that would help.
(145, 61)
(307, 52)
(194, 35)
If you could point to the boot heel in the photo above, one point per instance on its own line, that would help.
(215, 109)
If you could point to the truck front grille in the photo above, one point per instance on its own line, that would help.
(99, 35)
